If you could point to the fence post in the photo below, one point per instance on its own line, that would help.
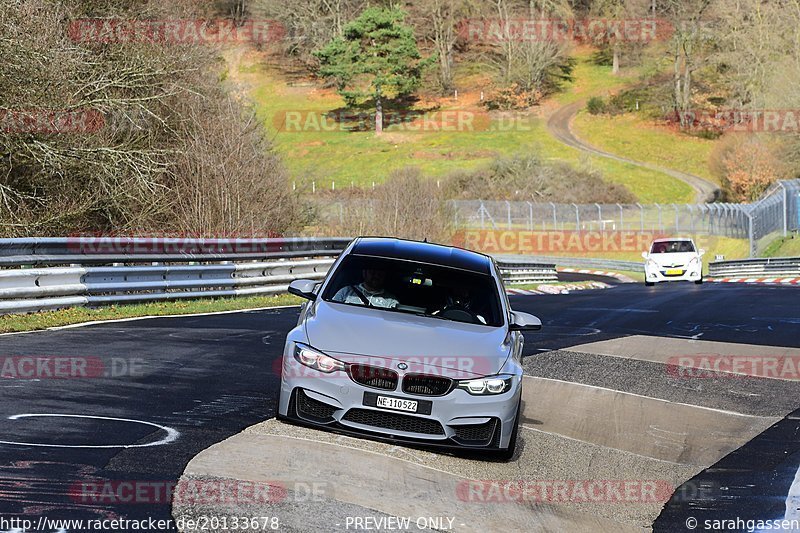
(577, 218)
(482, 211)
(785, 208)
(530, 216)
(508, 214)
(677, 219)
(555, 218)
(660, 222)
(753, 251)
(641, 216)
(599, 217)
(621, 222)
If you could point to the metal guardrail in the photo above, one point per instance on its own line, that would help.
(80, 271)
(83, 250)
(55, 273)
(748, 268)
(580, 262)
(526, 271)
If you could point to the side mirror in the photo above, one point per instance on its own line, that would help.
(524, 322)
(644, 255)
(701, 252)
(304, 288)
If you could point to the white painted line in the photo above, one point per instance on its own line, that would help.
(723, 411)
(560, 436)
(172, 434)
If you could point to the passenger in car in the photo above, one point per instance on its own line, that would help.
(371, 291)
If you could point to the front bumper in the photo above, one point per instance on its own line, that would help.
(655, 274)
(454, 420)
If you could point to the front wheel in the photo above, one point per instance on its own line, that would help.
(698, 281)
(648, 283)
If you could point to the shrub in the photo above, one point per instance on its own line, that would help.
(511, 97)
(746, 166)
(529, 177)
(596, 105)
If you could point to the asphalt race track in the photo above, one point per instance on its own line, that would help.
(185, 383)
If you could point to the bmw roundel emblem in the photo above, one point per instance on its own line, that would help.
(402, 366)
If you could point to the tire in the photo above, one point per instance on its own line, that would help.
(648, 283)
(506, 454)
(698, 281)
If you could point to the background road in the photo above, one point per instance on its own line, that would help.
(208, 377)
(560, 126)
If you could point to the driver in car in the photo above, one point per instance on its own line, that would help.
(369, 292)
(460, 299)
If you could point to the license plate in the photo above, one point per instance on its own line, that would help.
(398, 404)
(674, 272)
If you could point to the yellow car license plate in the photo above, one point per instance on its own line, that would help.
(674, 272)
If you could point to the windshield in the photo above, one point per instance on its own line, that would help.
(422, 289)
(672, 247)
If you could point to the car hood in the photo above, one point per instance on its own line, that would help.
(358, 334)
(674, 259)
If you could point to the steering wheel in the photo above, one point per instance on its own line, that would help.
(458, 313)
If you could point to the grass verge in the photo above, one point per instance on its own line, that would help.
(784, 247)
(633, 137)
(77, 315)
(314, 153)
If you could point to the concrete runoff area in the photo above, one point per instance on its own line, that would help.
(654, 428)
(574, 431)
(670, 350)
(370, 483)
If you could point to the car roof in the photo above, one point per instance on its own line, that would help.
(673, 239)
(423, 252)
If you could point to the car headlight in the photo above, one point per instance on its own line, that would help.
(308, 356)
(652, 264)
(484, 386)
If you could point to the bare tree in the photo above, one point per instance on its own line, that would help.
(310, 24)
(154, 103)
(691, 47)
(437, 22)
